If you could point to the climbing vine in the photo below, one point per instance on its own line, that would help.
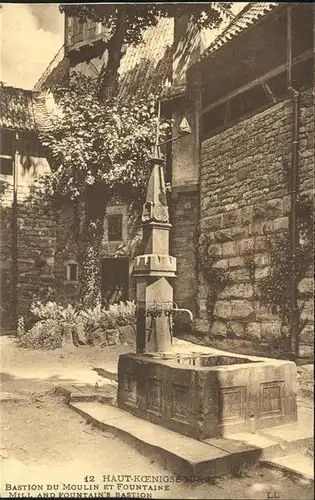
(275, 288)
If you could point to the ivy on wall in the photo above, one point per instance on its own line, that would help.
(275, 289)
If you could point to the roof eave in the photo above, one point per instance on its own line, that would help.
(201, 62)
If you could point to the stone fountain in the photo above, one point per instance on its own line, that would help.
(201, 394)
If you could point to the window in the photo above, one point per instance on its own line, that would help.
(114, 227)
(72, 271)
(90, 30)
(6, 153)
(77, 30)
(5, 165)
(213, 120)
(248, 102)
(235, 109)
(80, 31)
(302, 74)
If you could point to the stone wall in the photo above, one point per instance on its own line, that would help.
(36, 242)
(36, 255)
(67, 250)
(6, 257)
(183, 244)
(244, 200)
(36, 245)
(47, 240)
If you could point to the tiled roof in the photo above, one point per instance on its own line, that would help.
(145, 68)
(246, 18)
(22, 109)
(56, 73)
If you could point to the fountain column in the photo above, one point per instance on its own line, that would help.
(154, 269)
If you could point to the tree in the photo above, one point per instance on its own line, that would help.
(97, 149)
(126, 24)
(98, 145)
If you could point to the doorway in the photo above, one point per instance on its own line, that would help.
(115, 280)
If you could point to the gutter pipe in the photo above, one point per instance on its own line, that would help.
(14, 233)
(294, 316)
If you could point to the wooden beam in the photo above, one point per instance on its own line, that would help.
(269, 92)
(261, 80)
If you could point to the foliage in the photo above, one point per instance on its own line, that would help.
(250, 265)
(20, 327)
(97, 148)
(100, 319)
(275, 289)
(93, 142)
(138, 17)
(54, 311)
(54, 320)
(125, 312)
(4, 185)
(45, 334)
(93, 317)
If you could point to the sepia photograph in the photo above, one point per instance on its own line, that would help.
(157, 250)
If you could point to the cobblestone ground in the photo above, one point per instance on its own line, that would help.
(43, 442)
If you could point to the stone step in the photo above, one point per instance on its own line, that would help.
(178, 453)
(86, 393)
(298, 465)
(293, 437)
(110, 373)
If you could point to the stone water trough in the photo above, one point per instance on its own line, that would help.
(205, 396)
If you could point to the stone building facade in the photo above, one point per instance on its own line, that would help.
(246, 162)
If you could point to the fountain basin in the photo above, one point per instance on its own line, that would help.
(206, 395)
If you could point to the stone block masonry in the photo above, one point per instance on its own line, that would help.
(183, 244)
(244, 201)
(67, 250)
(36, 244)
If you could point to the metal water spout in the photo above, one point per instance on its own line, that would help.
(185, 311)
(188, 311)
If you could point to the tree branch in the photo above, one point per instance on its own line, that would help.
(108, 78)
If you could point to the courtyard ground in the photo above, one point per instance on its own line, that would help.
(43, 442)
